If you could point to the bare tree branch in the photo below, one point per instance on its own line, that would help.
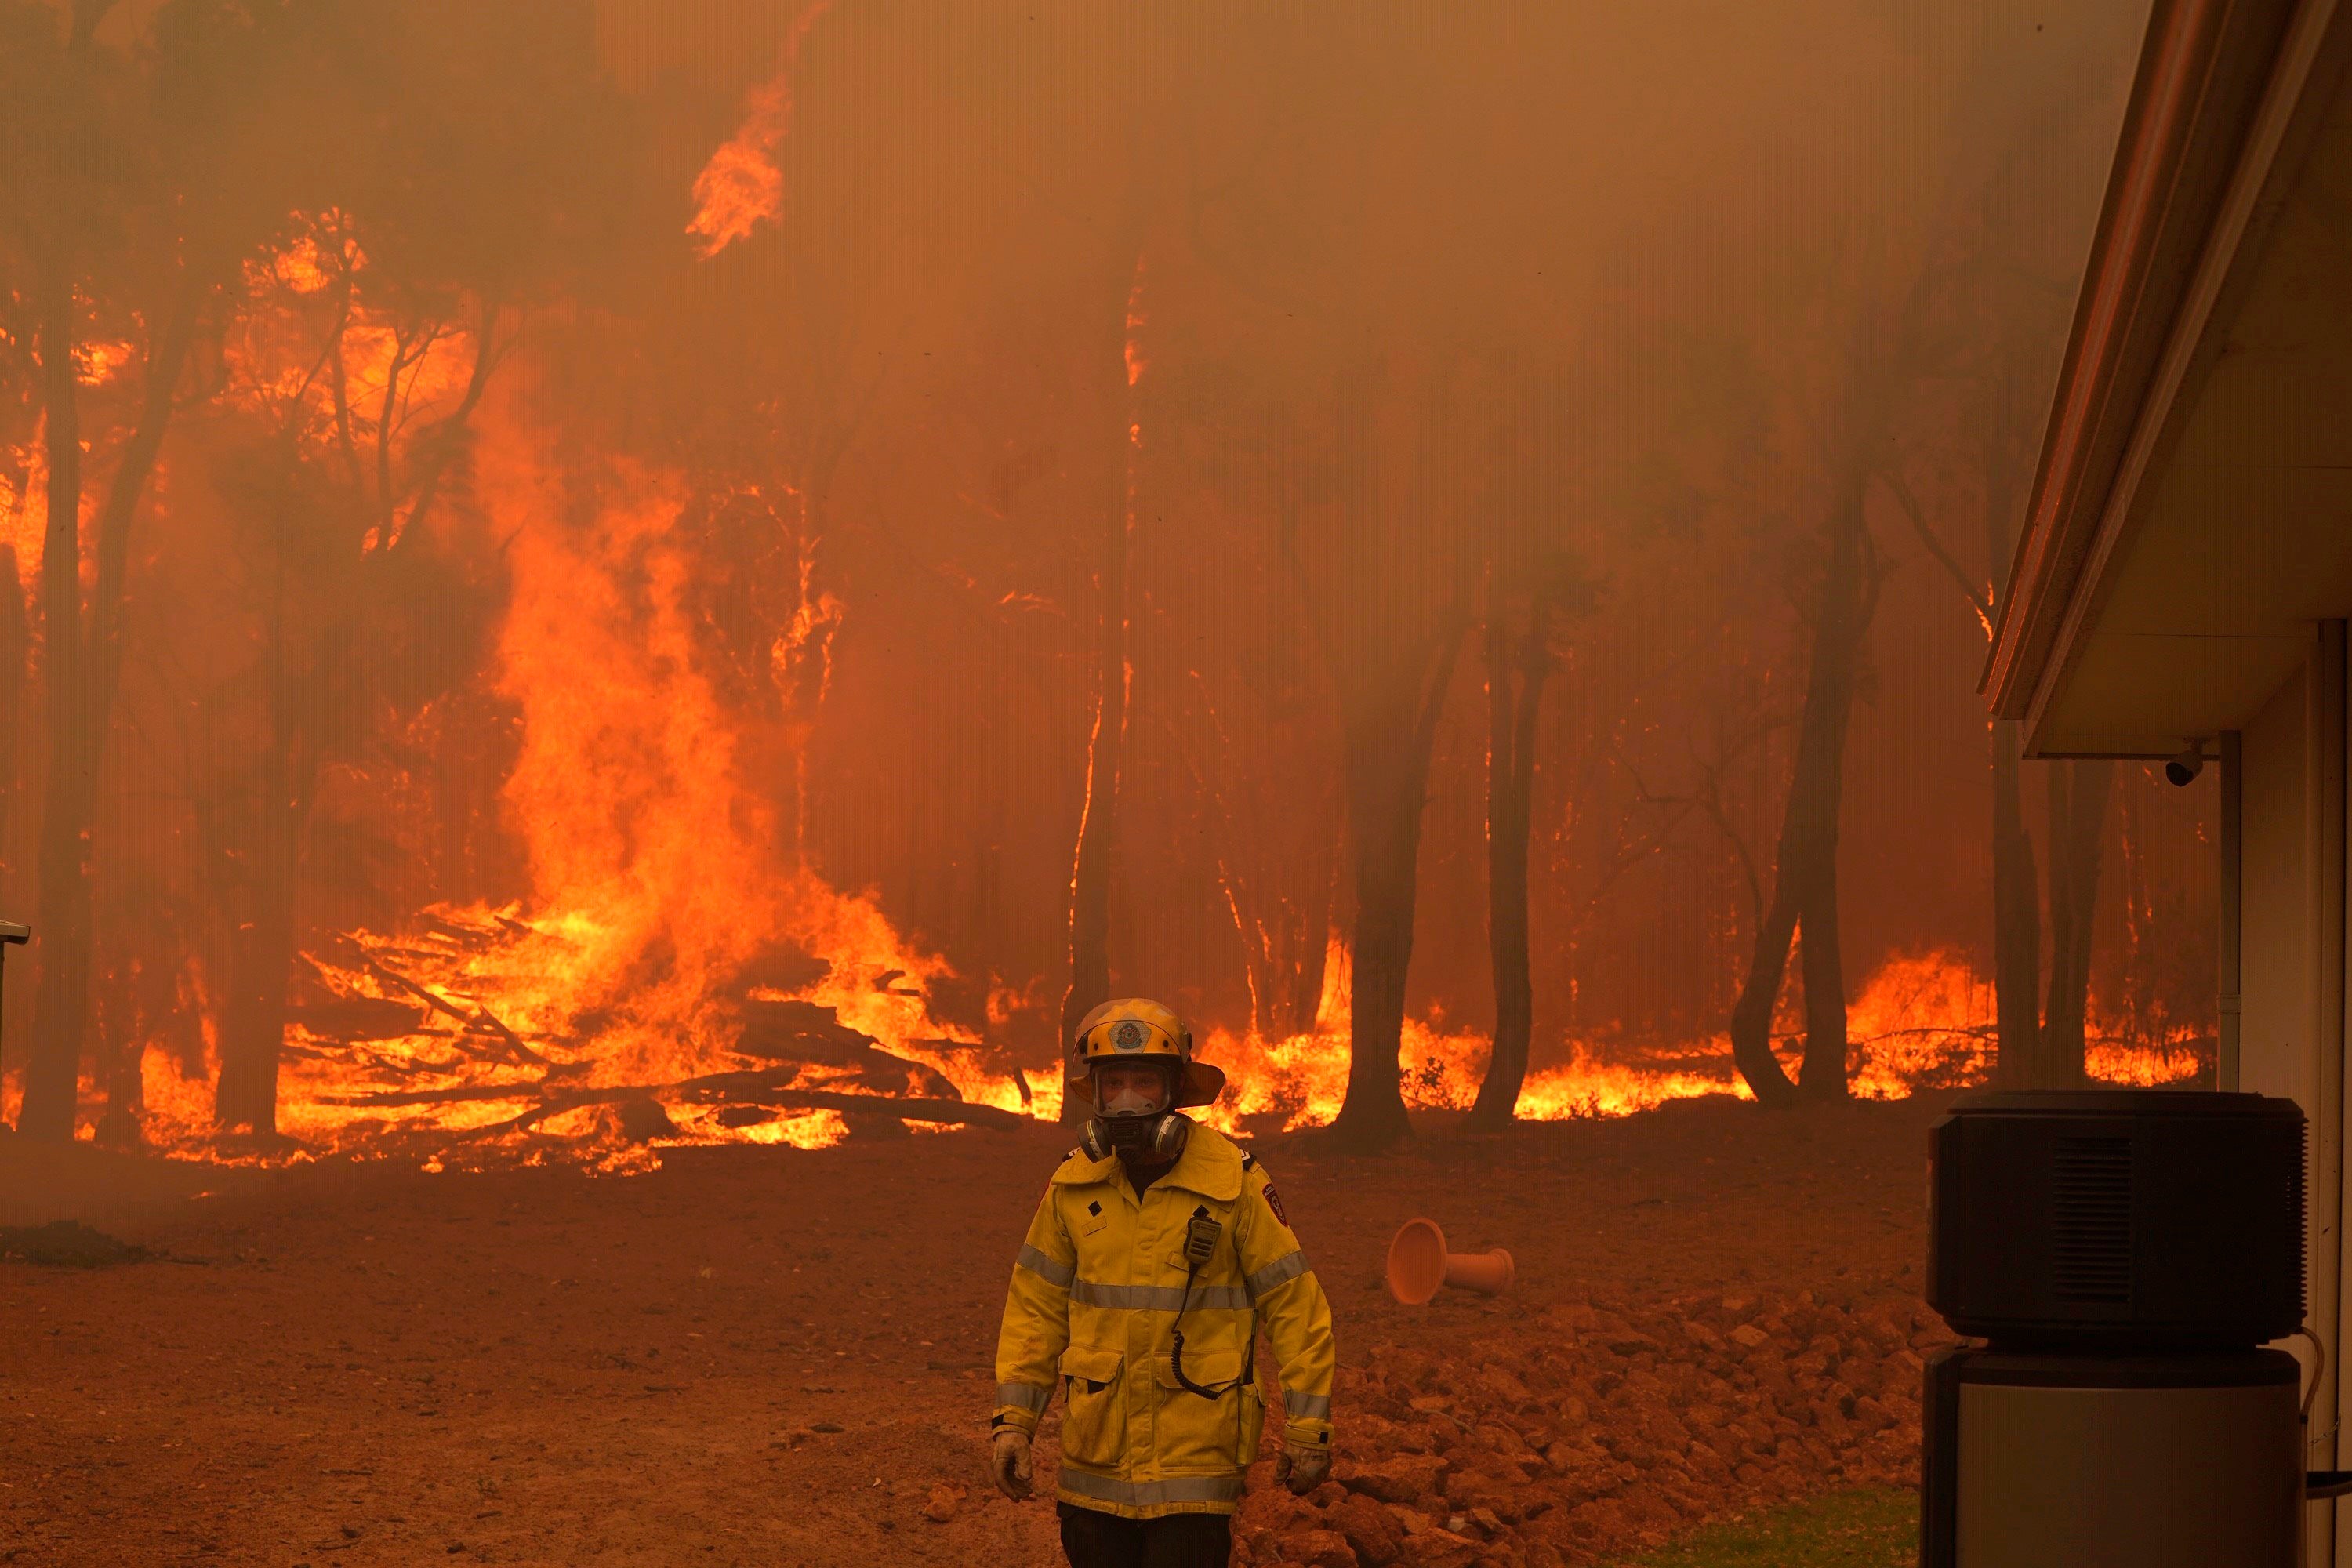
(1979, 599)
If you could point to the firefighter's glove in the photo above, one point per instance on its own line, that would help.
(1008, 1462)
(1302, 1469)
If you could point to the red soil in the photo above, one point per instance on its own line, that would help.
(761, 1355)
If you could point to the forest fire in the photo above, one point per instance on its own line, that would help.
(623, 626)
(482, 1037)
(674, 972)
(672, 977)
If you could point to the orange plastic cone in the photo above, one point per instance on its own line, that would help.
(1419, 1264)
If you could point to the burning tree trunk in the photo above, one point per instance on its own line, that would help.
(82, 661)
(2016, 916)
(115, 1020)
(1285, 936)
(253, 1031)
(2016, 904)
(1510, 788)
(2016, 900)
(1387, 750)
(1390, 645)
(48, 1108)
(1302, 956)
(311, 664)
(2078, 810)
(16, 658)
(1883, 359)
(1090, 876)
(1804, 889)
(1098, 819)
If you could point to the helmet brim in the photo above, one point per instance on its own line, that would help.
(1200, 1085)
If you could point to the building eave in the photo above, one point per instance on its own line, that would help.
(2218, 85)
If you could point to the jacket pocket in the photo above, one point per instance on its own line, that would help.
(1093, 1432)
(1253, 1423)
(1199, 1433)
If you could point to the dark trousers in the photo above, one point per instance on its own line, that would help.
(1092, 1539)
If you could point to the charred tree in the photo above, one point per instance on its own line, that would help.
(1090, 876)
(1804, 887)
(335, 558)
(56, 1063)
(1515, 672)
(2016, 915)
(2008, 304)
(82, 664)
(1884, 358)
(2001, 414)
(1387, 742)
(262, 947)
(1285, 933)
(1097, 847)
(1302, 953)
(1390, 636)
(364, 610)
(15, 665)
(145, 197)
(2078, 794)
(16, 668)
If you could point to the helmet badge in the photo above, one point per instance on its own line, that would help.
(1130, 1036)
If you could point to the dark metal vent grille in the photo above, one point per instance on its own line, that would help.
(2093, 1221)
(2301, 1235)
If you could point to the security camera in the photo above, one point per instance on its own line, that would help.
(2182, 771)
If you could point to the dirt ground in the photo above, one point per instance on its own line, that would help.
(765, 1355)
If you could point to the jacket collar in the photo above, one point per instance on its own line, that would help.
(1211, 1165)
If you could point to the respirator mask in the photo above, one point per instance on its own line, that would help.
(1134, 1112)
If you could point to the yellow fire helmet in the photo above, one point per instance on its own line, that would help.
(1131, 1027)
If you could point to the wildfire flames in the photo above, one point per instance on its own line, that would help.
(677, 973)
(1920, 1023)
(673, 979)
(741, 187)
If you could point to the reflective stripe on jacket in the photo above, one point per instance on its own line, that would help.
(1092, 1312)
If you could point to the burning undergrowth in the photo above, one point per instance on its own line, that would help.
(461, 1044)
(1921, 1023)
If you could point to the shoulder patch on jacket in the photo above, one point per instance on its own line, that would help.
(1274, 1202)
(1249, 1162)
(1078, 1170)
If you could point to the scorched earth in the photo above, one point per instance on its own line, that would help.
(771, 1355)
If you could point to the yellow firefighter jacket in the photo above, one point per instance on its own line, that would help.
(1093, 1309)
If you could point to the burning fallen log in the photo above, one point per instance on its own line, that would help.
(948, 1111)
(814, 1034)
(337, 1014)
(769, 1089)
(482, 1017)
(350, 1019)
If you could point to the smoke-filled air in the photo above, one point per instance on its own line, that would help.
(630, 632)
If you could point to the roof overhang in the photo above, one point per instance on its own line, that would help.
(2191, 517)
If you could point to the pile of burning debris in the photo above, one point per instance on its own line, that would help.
(461, 1037)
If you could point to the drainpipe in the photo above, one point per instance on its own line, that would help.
(2234, 842)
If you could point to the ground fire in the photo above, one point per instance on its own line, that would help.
(658, 661)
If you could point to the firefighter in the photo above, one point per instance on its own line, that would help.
(1157, 1251)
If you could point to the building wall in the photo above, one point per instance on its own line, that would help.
(2293, 958)
(2275, 1047)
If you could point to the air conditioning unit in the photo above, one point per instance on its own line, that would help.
(2124, 1254)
